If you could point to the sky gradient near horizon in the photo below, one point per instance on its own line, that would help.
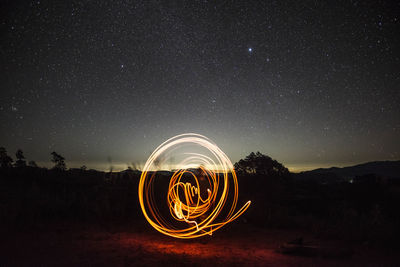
(309, 83)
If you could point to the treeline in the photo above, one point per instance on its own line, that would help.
(7, 162)
(366, 212)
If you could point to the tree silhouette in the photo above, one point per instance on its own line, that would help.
(20, 162)
(59, 161)
(257, 163)
(33, 164)
(5, 160)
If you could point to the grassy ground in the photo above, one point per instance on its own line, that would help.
(139, 245)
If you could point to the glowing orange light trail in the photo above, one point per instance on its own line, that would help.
(193, 212)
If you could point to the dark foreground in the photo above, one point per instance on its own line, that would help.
(91, 218)
(111, 245)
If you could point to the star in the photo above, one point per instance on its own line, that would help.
(179, 76)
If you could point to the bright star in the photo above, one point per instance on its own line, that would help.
(250, 49)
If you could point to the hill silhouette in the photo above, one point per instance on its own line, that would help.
(385, 169)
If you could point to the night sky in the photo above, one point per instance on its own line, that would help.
(309, 83)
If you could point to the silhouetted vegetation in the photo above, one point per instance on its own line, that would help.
(5, 160)
(20, 162)
(257, 163)
(363, 208)
(32, 164)
(59, 161)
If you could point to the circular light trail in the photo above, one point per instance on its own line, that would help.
(194, 202)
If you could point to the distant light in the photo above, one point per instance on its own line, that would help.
(250, 49)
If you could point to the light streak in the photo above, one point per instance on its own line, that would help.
(196, 199)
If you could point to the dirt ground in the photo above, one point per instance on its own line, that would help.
(86, 245)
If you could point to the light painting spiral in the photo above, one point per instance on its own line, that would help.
(193, 199)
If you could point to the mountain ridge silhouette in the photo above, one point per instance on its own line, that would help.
(389, 169)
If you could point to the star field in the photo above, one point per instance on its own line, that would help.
(308, 83)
